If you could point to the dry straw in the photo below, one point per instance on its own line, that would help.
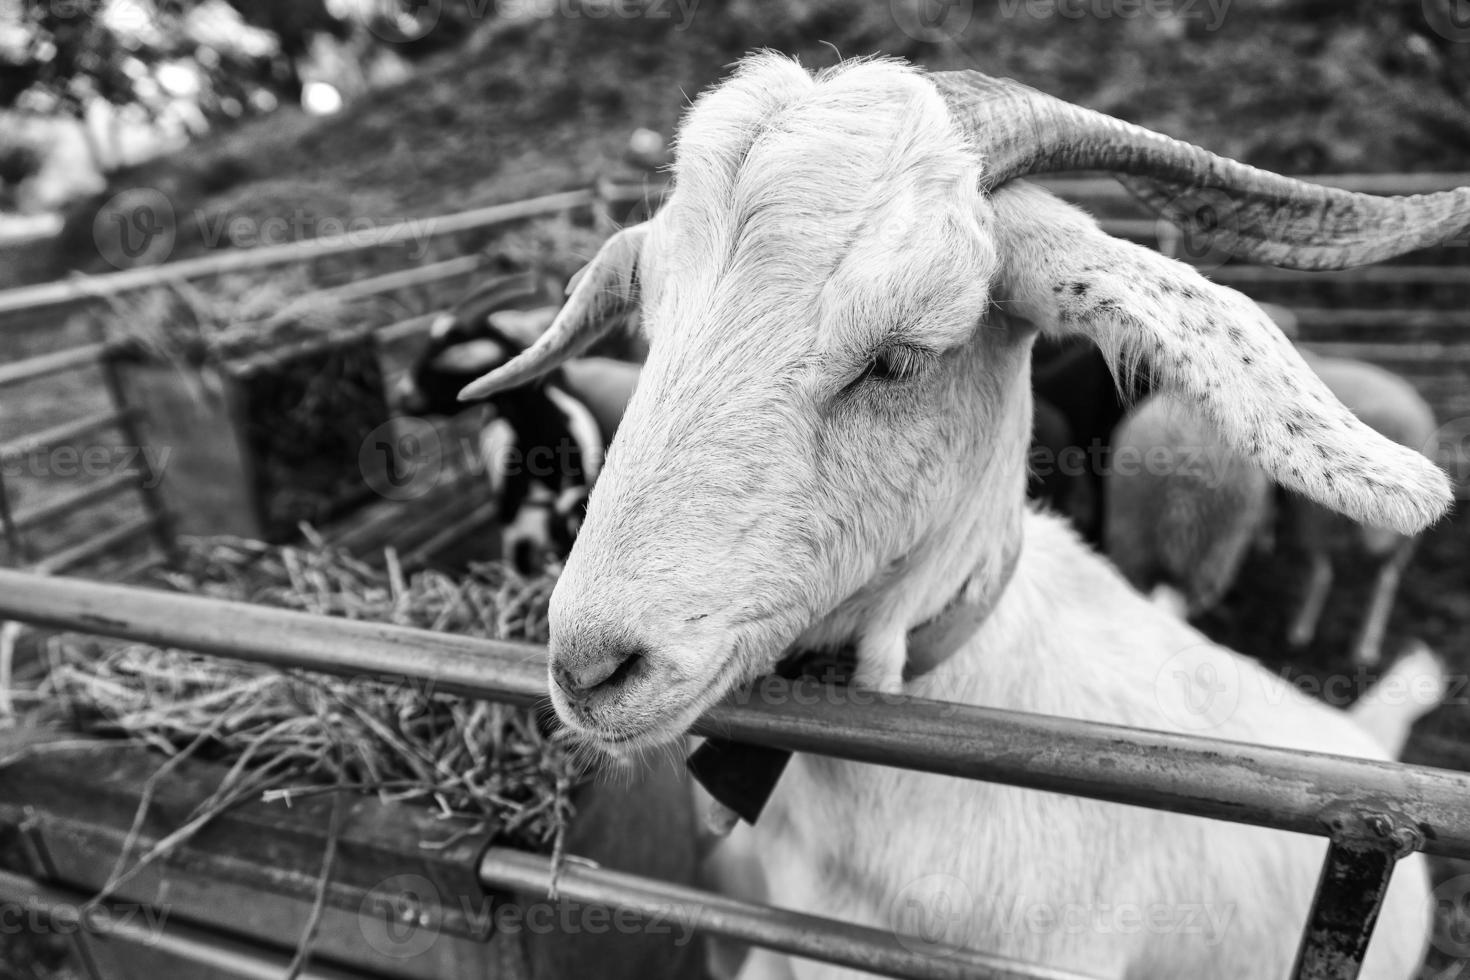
(282, 735)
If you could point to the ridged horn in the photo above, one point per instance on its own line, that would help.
(1258, 215)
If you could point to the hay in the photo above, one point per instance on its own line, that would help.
(282, 735)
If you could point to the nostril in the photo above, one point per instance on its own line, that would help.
(604, 674)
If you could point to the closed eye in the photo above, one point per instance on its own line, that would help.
(890, 364)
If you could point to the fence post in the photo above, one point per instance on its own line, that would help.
(1360, 861)
(19, 548)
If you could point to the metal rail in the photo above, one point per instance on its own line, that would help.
(58, 434)
(784, 930)
(210, 953)
(92, 287)
(69, 503)
(95, 546)
(45, 365)
(1262, 785)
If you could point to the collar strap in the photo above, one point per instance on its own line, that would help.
(742, 777)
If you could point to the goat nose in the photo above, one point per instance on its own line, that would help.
(602, 673)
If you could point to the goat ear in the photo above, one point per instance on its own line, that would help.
(602, 290)
(1212, 346)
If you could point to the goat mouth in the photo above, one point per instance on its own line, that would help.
(671, 720)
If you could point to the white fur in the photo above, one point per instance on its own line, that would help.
(761, 493)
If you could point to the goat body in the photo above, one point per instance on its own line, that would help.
(1394, 409)
(1182, 506)
(842, 294)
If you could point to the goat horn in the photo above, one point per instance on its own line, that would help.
(1259, 215)
(601, 290)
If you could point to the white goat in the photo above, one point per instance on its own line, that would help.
(1392, 407)
(841, 295)
(1183, 507)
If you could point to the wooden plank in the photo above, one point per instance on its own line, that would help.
(45, 365)
(111, 284)
(94, 547)
(60, 434)
(68, 503)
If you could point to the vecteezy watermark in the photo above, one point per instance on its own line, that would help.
(403, 916)
(1199, 227)
(936, 915)
(135, 227)
(1198, 688)
(33, 917)
(1205, 465)
(933, 915)
(92, 462)
(245, 231)
(1207, 919)
(402, 458)
(1201, 687)
(1209, 13)
(932, 20)
(139, 226)
(397, 917)
(1450, 448)
(681, 12)
(1450, 19)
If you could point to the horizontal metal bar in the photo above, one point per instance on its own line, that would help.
(1395, 319)
(812, 937)
(1407, 352)
(75, 500)
(405, 329)
(1223, 780)
(111, 284)
(403, 279)
(1379, 275)
(93, 547)
(46, 365)
(59, 434)
(210, 953)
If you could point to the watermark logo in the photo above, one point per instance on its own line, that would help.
(1210, 14)
(1449, 446)
(396, 918)
(1451, 902)
(1198, 227)
(933, 21)
(135, 227)
(1450, 19)
(402, 458)
(1198, 688)
(401, 21)
(932, 915)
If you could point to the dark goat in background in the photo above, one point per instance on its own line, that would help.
(541, 444)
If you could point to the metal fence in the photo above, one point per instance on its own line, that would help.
(1373, 813)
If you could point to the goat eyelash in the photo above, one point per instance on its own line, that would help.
(892, 363)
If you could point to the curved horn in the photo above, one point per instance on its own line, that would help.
(600, 290)
(1262, 216)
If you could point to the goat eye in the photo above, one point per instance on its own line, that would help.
(895, 362)
(890, 364)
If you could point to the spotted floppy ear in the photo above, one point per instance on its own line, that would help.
(1213, 346)
(599, 292)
